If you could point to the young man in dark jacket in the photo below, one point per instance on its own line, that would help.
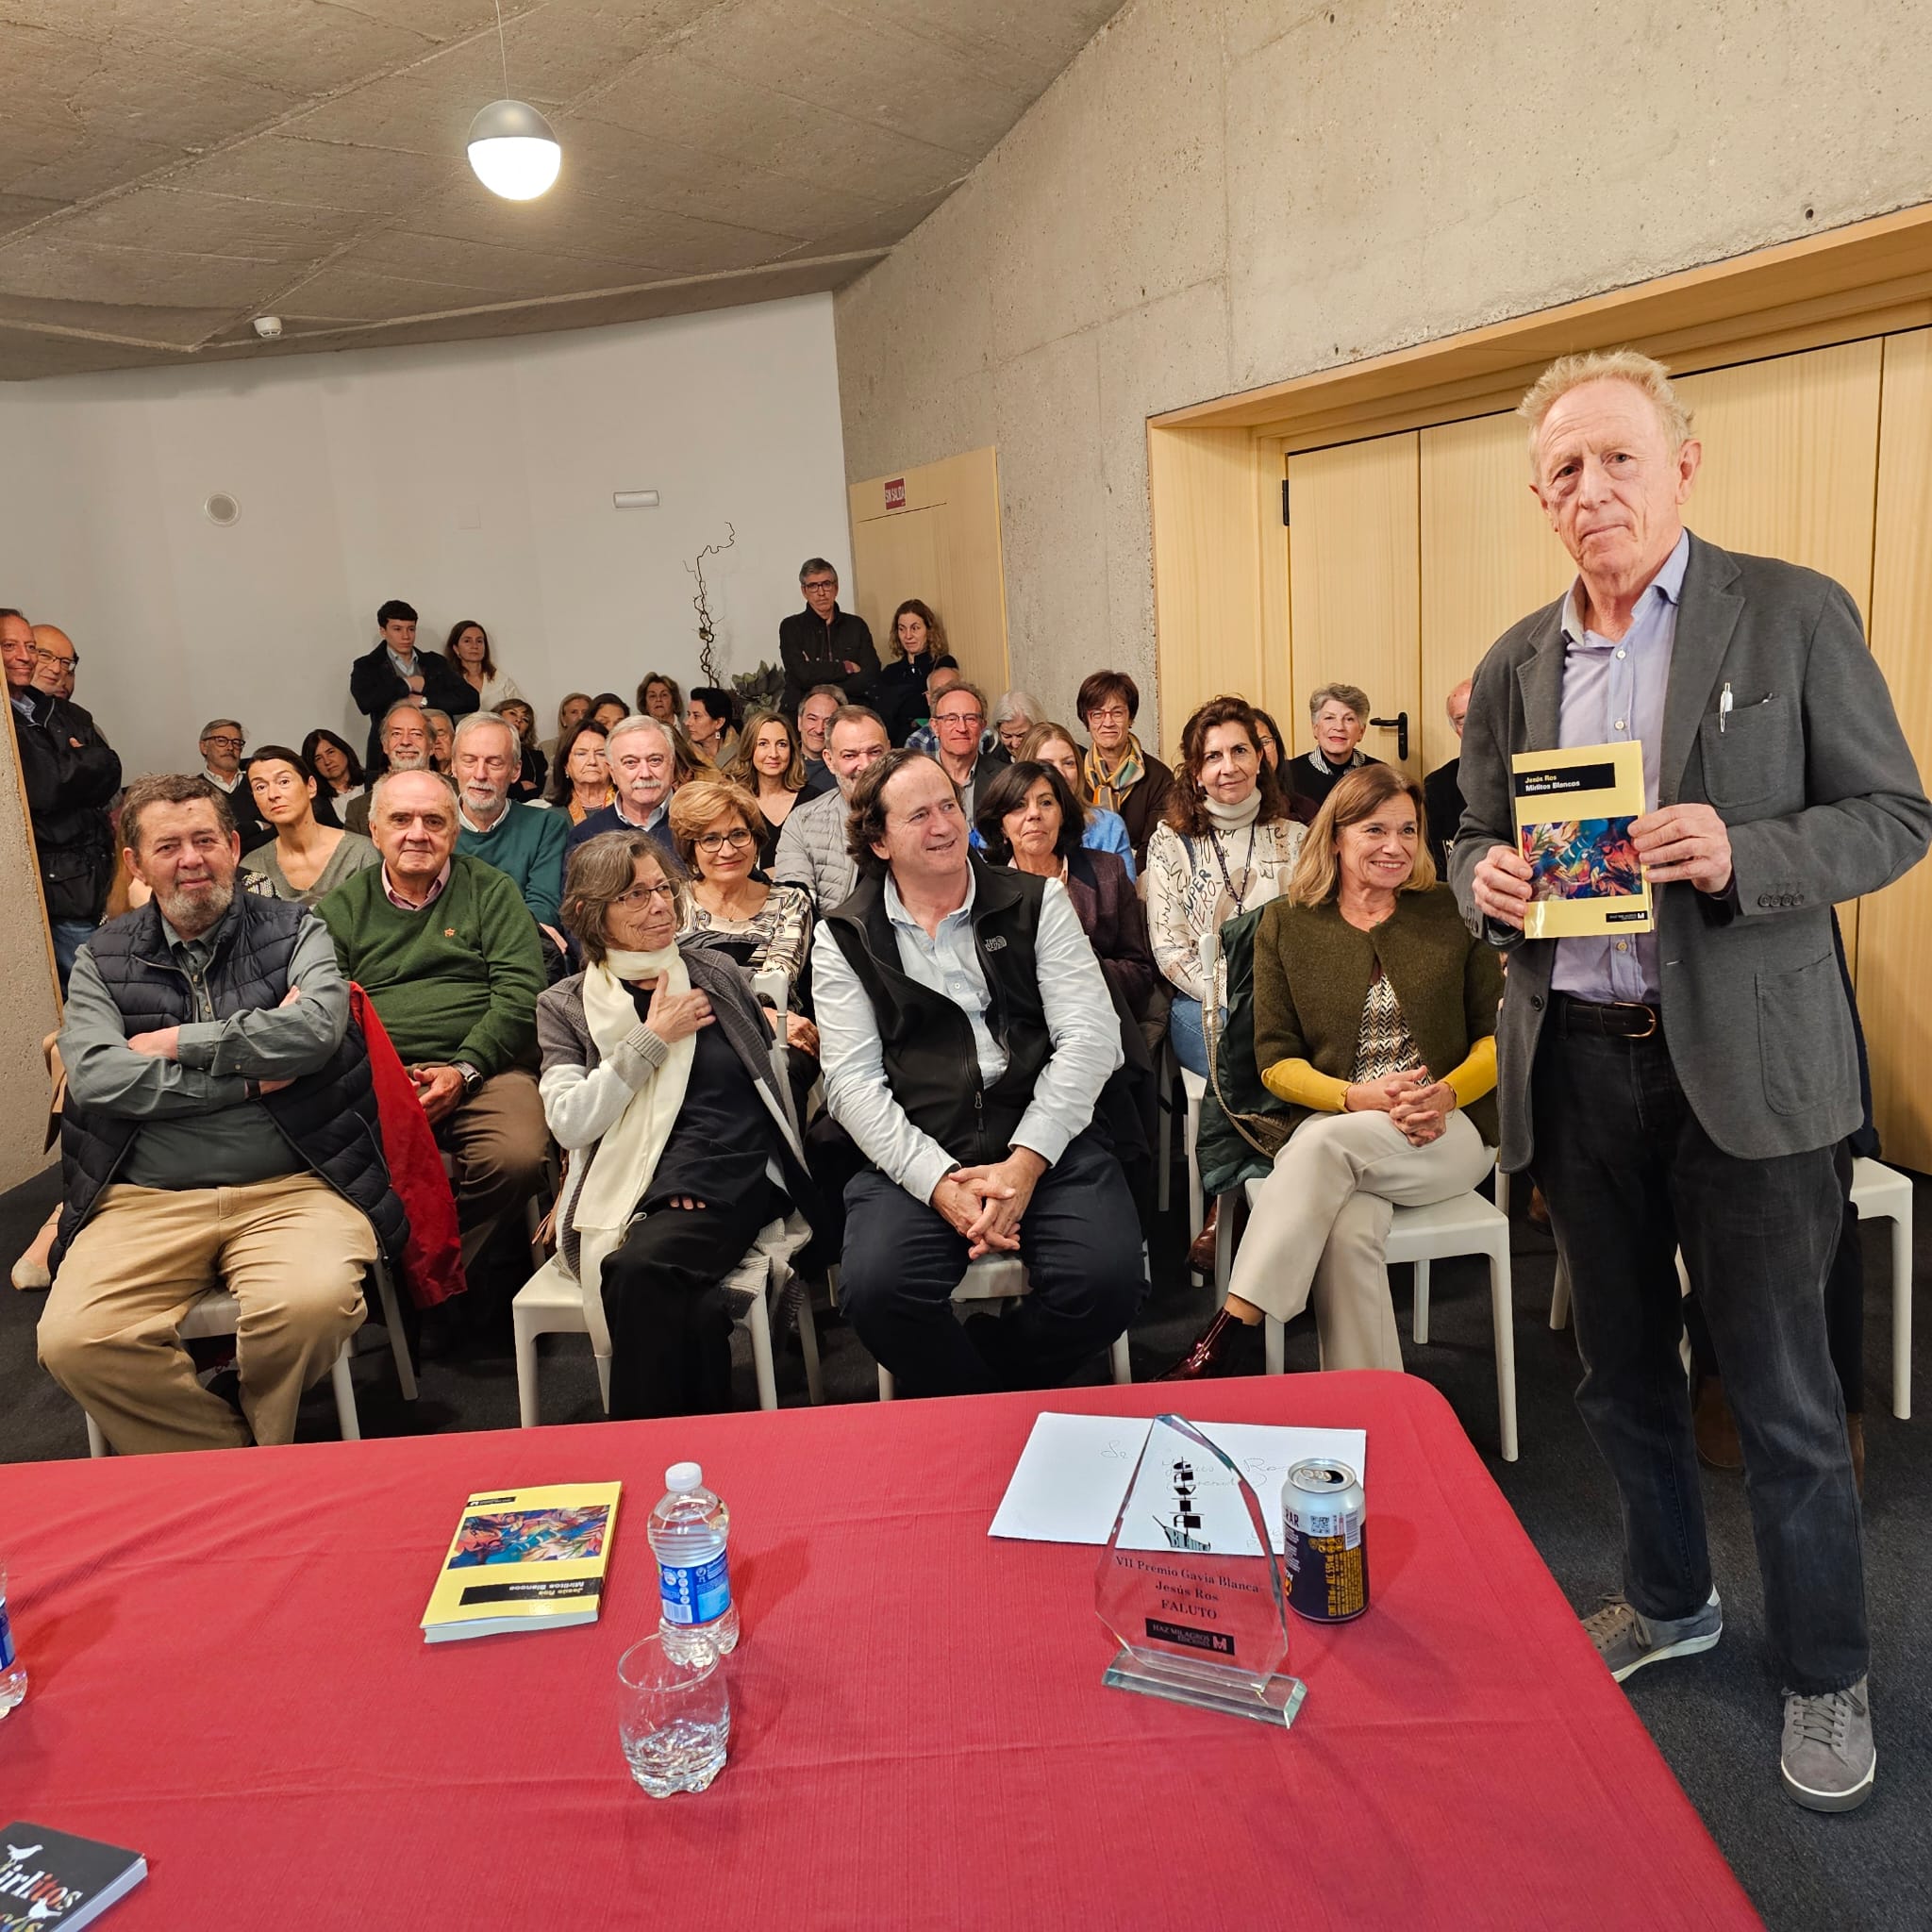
(71, 773)
(395, 670)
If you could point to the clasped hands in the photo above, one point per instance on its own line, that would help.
(985, 1203)
(1687, 842)
(1418, 1106)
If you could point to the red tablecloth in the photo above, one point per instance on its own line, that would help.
(228, 1676)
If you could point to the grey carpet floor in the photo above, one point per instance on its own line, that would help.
(1715, 1718)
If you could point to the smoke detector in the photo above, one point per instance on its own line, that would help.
(269, 327)
(221, 508)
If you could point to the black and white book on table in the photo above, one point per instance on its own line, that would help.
(51, 1881)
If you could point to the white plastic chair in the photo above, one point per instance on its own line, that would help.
(1002, 1278)
(216, 1314)
(1464, 1225)
(1879, 1193)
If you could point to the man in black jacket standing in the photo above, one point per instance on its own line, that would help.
(71, 772)
(395, 670)
(822, 644)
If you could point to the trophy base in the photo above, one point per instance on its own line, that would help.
(1270, 1700)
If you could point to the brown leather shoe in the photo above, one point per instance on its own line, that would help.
(1539, 1209)
(1213, 1352)
(1718, 1446)
(1201, 1249)
(1855, 1437)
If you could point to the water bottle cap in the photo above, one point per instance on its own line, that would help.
(683, 1477)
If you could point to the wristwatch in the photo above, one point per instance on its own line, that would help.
(473, 1078)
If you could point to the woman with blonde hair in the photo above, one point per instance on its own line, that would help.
(1375, 1021)
(771, 766)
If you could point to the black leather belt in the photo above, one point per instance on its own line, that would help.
(1619, 1019)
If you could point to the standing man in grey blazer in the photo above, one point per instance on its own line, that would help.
(1687, 1087)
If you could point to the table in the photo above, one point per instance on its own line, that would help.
(227, 1674)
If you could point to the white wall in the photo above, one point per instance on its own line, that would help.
(1219, 193)
(473, 479)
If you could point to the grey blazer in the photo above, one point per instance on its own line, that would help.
(1823, 800)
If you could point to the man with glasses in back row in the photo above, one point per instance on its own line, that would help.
(823, 645)
(70, 772)
(222, 742)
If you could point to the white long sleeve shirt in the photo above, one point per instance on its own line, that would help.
(1080, 1022)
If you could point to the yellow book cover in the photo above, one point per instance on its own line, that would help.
(1574, 809)
(525, 1560)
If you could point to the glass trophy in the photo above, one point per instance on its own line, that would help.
(1190, 1586)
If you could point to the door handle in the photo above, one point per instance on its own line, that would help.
(1399, 724)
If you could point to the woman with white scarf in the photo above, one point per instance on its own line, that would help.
(657, 1081)
(1225, 846)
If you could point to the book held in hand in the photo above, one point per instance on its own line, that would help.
(1573, 813)
(53, 1882)
(525, 1560)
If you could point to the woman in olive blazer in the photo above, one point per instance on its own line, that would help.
(1374, 1019)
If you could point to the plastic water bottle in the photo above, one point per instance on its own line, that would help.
(14, 1673)
(687, 1532)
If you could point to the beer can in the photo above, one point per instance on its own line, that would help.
(1325, 1541)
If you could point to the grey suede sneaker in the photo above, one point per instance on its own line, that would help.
(1828, 1760)
(1626, 1640)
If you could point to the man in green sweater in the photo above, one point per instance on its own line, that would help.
(523, 842)
(451, 959)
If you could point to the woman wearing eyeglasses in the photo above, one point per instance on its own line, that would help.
(715, 826)
(657, 1081)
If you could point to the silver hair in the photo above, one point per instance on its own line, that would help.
(1640, 371)
(483, 721)
(1352, 695)
(638, 722)
(409, 705)
(1017, 704)
(443, 778)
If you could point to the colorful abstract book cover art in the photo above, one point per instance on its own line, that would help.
(1572, 813)
(524, 1558)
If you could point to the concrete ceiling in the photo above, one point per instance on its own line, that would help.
(171, 169)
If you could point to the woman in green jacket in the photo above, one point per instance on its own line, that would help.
(1375, 1019)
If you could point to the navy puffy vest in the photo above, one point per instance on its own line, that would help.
(328, 1117)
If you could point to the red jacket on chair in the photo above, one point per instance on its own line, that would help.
(432, 1262)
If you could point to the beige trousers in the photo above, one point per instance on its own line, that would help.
(292, 1251)
(498, 1141)
(1321, 1224)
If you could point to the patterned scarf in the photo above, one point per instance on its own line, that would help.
(1111, 792)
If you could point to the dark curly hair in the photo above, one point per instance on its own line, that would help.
(1186, 812)
(1007, 792)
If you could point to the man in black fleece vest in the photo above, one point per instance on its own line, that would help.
(966, 1032)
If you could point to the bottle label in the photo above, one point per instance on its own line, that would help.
(696, 1592)
(6, 1639)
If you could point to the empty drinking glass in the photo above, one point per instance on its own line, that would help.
(674, 1717)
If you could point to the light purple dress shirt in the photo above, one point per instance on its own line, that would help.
(1613, 692)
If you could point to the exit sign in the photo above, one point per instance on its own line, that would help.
(895, 494)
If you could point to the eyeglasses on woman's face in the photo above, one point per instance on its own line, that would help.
(638, 896)
(737, 838)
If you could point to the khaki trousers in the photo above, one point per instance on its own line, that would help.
(1321, 1224)
(498, 1141)
(293, 1254)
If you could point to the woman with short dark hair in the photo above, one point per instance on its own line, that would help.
(657, 1081)
(708, 722)
(1120, 775)
(337, 772)
(305, 859)
(580, 778)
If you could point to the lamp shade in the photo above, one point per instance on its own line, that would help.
(513, 150)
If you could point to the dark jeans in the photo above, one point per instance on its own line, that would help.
(1630, 1176)
(664, 1300)
(1080, 1239)
(1844, 1303)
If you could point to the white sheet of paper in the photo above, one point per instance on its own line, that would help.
(1075, 1470)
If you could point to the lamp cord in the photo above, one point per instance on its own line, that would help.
(502, 49)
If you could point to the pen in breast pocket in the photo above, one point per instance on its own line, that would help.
(1723, 709)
